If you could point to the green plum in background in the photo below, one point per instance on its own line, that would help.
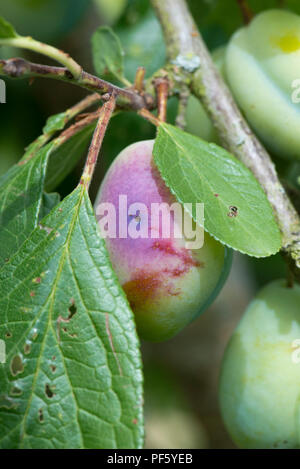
(198, 122)
(167, 284)
(260, 376)
(45, 20)
(110, 10)
(263, 69)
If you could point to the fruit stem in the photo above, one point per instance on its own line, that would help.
(149, 116)
(162, 91)
(139, 79)
(106, 113)
(245, 10)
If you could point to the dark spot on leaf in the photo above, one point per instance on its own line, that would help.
(16, 365)
(233, 211)
(53, 368)
(15, 391)
(37, 280)
(27, 349)
(7, 402)
(41, 415)
(48, 391)
(8, 335)
(72, 309)
(134, 421)
(216, 195)
(54, 357)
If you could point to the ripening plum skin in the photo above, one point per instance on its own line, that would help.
(260, 377)
(167, 285)
(262, 61)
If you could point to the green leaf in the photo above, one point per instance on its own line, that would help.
(65, 157)
(237, 211)
(56, 122)
(49, 201)
(73, 373)
(7, 31)
(107, 53)
(53, 124)
(21, 190)
(143, 44)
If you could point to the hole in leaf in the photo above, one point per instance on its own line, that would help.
(233, 211)
(16, 365)
(41, 415)
(48, 391)
(72, 310)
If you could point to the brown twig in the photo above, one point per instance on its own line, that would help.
(162, 90)
(83, 104)
(126, 99)
(149, 117)
(245, 10)
(75, 128)
(105, 114)
(32, 149)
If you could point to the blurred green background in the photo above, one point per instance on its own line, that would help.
(181, 375)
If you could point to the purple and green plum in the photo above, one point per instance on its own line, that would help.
(167, 284)
(260, 377)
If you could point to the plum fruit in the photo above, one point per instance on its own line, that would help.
(262, 67)
(167, 284)
(260, 376)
